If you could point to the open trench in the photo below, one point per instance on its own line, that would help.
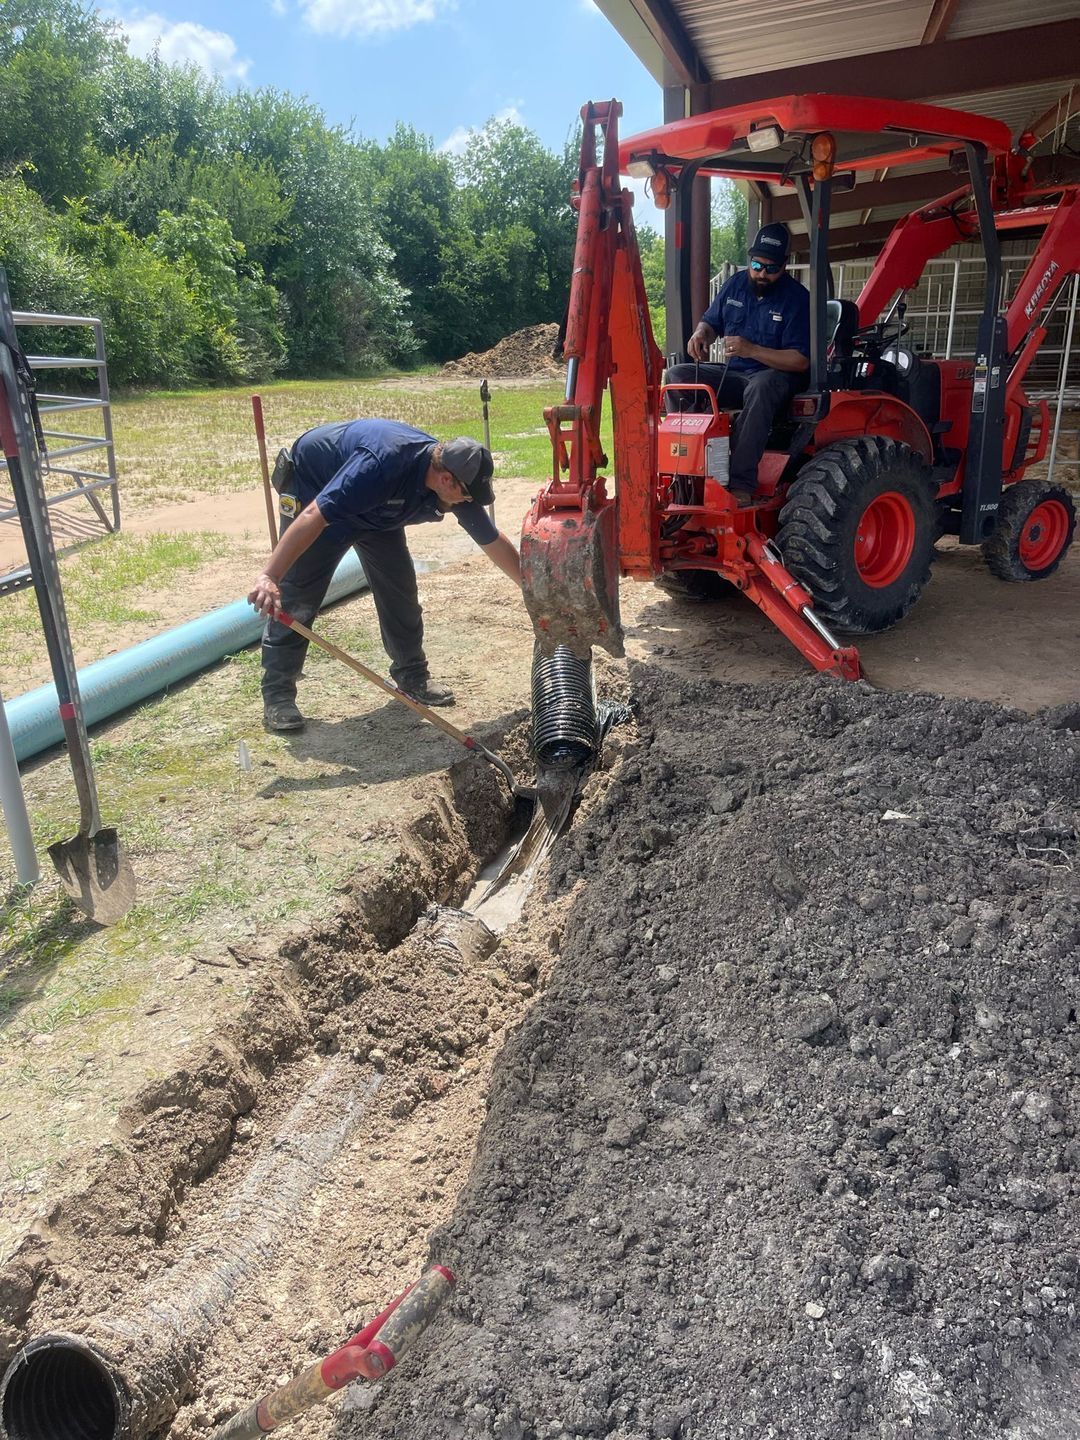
(761, 1120)
(378, 1031)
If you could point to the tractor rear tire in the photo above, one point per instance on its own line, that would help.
(694, 585)
(1035, 527)
(858, 529)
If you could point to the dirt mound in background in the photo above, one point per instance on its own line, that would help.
(788, 1146)
(526, 352)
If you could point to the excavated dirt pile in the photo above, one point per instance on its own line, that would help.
(526, 352)
(788, 1146)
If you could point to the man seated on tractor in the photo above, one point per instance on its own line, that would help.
(763, 314)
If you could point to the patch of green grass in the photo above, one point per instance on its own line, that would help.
(171, 446)
(102, 584)
(247, 666)
(135, 755)
(88, 999)
(209, 891)
(36, 930)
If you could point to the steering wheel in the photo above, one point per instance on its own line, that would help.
(881, 333)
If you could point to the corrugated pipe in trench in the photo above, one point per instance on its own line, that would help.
(123, 1376)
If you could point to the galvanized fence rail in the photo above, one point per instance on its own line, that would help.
(68, 451)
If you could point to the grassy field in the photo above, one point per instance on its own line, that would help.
(105, 585)
(176, 446)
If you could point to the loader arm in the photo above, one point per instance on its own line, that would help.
(576, 531)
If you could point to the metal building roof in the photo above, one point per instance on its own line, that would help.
(1016, 63)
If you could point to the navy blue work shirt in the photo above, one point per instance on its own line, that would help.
(369, 475)
(777, 320)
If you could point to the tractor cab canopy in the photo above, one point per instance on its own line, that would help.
(818, 143)
(778, 140)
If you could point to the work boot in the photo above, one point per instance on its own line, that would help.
(428, 692)
(744, 496)
(282, 715)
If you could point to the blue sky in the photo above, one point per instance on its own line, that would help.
(444, 66)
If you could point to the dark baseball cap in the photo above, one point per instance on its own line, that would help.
(471, 465)
(771, 242)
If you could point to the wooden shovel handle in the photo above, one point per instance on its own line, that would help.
(376, 679)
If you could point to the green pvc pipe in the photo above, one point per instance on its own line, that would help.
(111, 685)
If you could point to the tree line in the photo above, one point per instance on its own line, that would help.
(232, 235)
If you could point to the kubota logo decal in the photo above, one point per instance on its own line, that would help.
(1050, 272)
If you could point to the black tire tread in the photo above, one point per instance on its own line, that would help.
(827, 490)
(694, 585)
(1001, 550)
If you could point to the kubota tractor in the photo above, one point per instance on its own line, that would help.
(884, 451)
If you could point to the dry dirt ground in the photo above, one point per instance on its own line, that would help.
(149, 1111)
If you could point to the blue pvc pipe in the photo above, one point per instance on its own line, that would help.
(120, 680)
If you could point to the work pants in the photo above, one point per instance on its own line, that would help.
(759, 398)
(388, 566)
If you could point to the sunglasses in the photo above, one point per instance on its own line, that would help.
(767, 265)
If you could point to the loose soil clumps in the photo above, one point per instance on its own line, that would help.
(525, 352)
(788, 1146)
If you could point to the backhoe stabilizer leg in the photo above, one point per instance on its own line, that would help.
(570, 577)
(776, 592)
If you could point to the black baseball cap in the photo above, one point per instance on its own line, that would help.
(472, 467)
(772, 242)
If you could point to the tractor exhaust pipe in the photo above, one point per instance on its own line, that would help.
(124, 1377)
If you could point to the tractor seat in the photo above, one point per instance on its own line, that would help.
(841, 323)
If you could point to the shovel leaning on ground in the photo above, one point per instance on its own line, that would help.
(92, 866)
(519, 792)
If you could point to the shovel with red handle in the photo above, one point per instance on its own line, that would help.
(368, 1355)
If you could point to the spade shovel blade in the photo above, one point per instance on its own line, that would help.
(96, 873)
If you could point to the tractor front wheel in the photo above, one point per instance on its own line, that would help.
(858, 530)
(1035, 527)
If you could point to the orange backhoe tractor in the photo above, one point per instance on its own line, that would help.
(884, 451)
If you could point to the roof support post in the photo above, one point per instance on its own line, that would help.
(676, 335)
(981, 494)
(819, 281)
(700, 246)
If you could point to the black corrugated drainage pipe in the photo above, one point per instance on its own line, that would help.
(565, 733)
(122, 1377)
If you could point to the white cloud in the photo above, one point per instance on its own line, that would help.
(370, 17)
(184, 42)
(279, 7)
(457, 142)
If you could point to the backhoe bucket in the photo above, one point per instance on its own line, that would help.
(570, 577)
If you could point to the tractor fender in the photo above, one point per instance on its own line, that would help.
(854, 413)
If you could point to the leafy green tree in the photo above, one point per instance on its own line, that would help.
(152, 320)
(417, 209)
(516, 204)
(53, 56)
(346, 310)
(729, 219)
(42, 273)
(240, 332)
(149, 99)
(651, 246)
